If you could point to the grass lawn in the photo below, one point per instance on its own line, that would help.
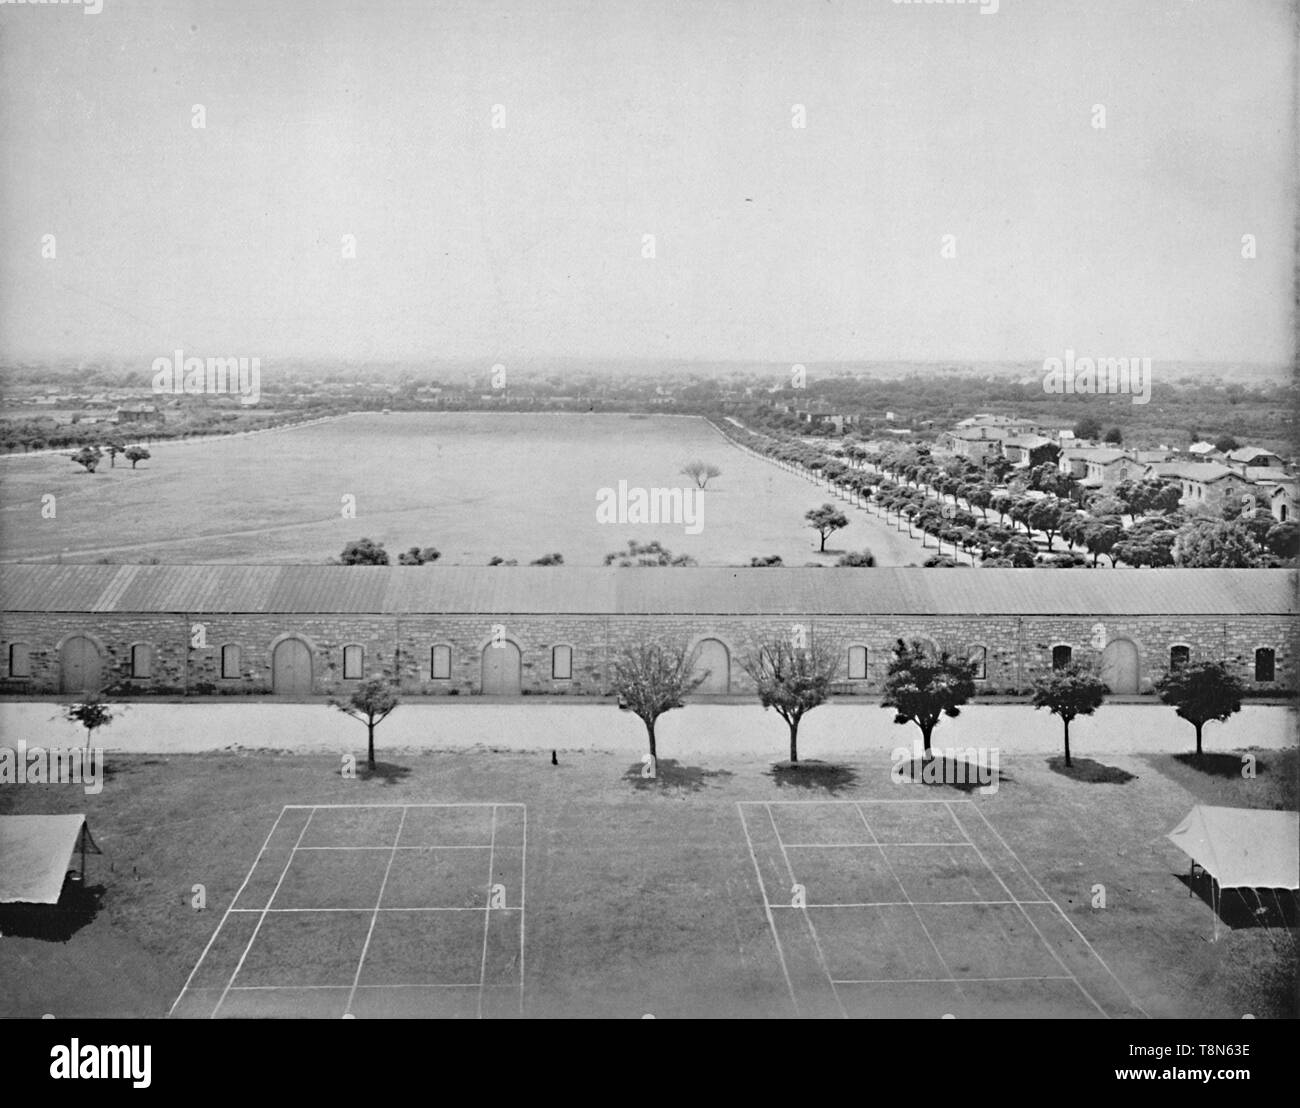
(474, 485)
(643, 895)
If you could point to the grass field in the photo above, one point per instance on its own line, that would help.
(474, 485)
(669, 896)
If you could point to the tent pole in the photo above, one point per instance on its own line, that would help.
(1214, 885)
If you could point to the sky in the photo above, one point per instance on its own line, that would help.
(619, 120)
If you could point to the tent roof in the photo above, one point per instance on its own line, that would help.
(34, 856)
(1243, 848)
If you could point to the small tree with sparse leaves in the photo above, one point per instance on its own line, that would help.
(91, 713)
(651, 678)
(371, 702)
(825, 520)
(792, 678)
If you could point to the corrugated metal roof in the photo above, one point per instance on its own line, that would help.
(677, 590)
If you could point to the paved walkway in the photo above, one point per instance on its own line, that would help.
(840, 729)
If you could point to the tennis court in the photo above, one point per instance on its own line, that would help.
(897, 909)
(373, 911)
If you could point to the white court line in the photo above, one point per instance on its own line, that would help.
(917, 904)
(487, 913)
(375, 916)
(458, 804)
(523, 891)
(278, 911)
(475, 846)
(233, 901)
(1041, 937)
(898, 881)
(821, 955)
(834, 846)
(808, 803)
(1067, 919)
(249, 945)
(340, 988)
(771, 922)
(942, 980)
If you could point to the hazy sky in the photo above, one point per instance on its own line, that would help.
(373, 118)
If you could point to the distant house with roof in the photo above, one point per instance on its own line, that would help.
(1249, 457)
(139, 413)
(1201, 451)
(1206, 484)
(975, 443)
(1030, 450)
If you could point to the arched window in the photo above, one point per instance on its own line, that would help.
(353, 663)
(978, 655)
(229, 661)
(562, 663)
(1264, 664)
(141, 660)
(20, 662)
(1061, 656)
(440, 663)
(1179, 656)
(857, 663)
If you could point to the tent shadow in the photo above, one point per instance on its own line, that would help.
(670, 774)
(53, 923)
(812, 775)
(954, 773)
(1217, 765)
(1089, 772)
(1245, 908)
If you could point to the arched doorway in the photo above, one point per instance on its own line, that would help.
(291, 668)
(502, 669)
(1120, 666)
(79, 666)
(711, 657)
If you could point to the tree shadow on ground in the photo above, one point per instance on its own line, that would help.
(53, 923)
(1217, 765)
(1089, 772)
(669, 774)
(386, 773)
(1245, 908)
(955, 773)
(127, 766)
(812, 775)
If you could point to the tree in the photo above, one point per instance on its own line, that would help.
(1114, 436)
(921, 686)
(651, 678)
(1283, 539)
(1047, 515)
(862, 559)
(417, 557)
(1101, 535)
(1088, 428)
(89, 457)
(1225, 444)
(647, 554)
(825, 520)
(769, 560)
(701, 472)
(497, 560)
(791, 678)
(1069, 692)
(1217, 544)
(92, 714)
(136, 454)
(1201, 692)
(548, 560)
(364, 552)
(371, 702)
(113, 446)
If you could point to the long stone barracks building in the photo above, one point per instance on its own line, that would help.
(302, 631)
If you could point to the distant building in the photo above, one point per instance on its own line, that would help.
(1208, 484)
(975, 443)
(1027, 451)
(1248, 457)
(139, 413)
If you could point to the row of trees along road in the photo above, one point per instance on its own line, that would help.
(794, 676)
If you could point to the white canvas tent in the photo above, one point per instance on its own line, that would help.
(1241, 848)
(35, 852)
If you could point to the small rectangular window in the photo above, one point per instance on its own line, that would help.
(562, 663)
(978, 657)
(230, 661)
(1264, 661)
(1061, 656)
(440, 663)
(1179, 656)
(20, 663)
(141, 657)
(352, 663)
(857, 663)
